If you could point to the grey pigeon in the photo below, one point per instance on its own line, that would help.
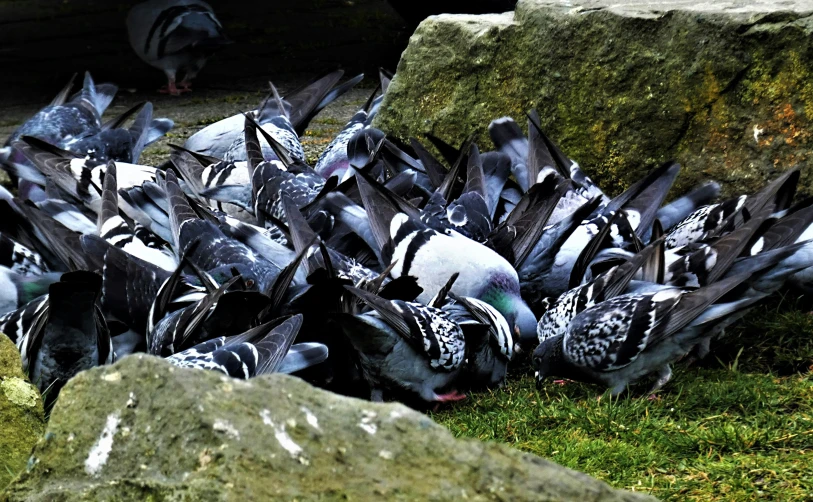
(65, 121)
(426, 254)
(62, 333)
(302, 104)
(175, 36)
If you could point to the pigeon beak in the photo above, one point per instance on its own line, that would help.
(538, 380)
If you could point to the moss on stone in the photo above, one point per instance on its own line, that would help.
(22, 420)
(182, 434)
(621, 87)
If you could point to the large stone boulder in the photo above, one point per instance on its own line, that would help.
(22, 420)
(724, 87)
(144, 430)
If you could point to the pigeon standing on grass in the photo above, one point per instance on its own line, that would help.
(175, 36)
(625, 338)
(407, 346)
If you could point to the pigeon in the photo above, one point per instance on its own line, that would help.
(20, 289)
(335, 159)
(63, 332)
(407, 346)
(19, 259)
(114, 142)
(215, 139)
(256, 352)
(112, 227)
(489, 343)
(679, 209)
(217, 252)
(274, 120)
(66, 120)
(558, 313)
(625, 338)
(424, 253)
(706, 221)
(175, 36)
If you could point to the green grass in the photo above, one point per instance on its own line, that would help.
(737, 426)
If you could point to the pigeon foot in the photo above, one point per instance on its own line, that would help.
(451, 396)
(172, 90)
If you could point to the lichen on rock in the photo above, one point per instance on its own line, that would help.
(22, 420)
(722, 87)
(157, 432)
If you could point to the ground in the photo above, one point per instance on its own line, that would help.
(737, 426)
(191, 113)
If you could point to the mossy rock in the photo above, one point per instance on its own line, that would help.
(142, 429)
(22, 420)
(726, 88)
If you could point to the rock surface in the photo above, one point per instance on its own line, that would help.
(144, 430)
(22, 420)
(724, 87)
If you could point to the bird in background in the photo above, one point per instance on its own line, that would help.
(177, 37)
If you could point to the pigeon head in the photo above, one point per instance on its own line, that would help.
(502, 293)
(546, 357)
(250, 279)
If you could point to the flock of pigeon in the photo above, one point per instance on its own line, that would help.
(385, 270)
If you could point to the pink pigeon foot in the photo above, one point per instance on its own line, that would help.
(451, 396)
(171, 89)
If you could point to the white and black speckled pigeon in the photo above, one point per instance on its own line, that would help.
(559, 312)
(19, 258)
(62, 333)
(175, 36)
(679, 209)
(702, 222)
(55, 242)
(489, 343)
(407, 346)
(303, 104)
(706, 221)
(258, 351)
(628, 337)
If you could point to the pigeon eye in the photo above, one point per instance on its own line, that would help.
(250, 283)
